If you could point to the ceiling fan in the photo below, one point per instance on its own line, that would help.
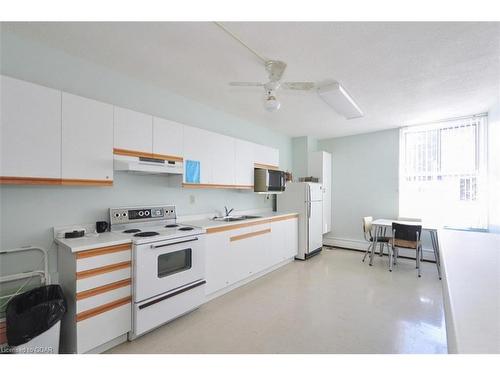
(331, 91)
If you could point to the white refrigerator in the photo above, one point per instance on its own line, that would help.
(305, 198)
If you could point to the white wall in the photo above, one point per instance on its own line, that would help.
(364, 180)
(301, 147)
(28, 213)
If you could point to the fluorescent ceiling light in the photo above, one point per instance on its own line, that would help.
(336, 96)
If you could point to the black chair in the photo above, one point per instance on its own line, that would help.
(405, 237)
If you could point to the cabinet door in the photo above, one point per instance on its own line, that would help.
(133, 131)
(273, 156)
(218, 261)
(167, 137)
(197, 147)
(291, 238)
(266, 155)
(30, 130)
(278, 250)
(250, 251)
(243, 162)
(222, 159)
(87, 139)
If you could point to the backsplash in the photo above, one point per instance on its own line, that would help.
(28, 213)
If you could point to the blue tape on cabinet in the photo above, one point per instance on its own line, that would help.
(192, 171)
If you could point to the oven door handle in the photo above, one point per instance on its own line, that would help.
(173, 243)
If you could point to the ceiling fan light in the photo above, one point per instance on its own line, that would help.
(337, 97)
(271, 104)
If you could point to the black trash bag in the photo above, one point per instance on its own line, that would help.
(34, 312)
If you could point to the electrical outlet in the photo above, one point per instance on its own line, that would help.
(192, 199)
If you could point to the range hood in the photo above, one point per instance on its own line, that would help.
(147, 165)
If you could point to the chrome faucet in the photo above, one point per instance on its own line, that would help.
(228, 212)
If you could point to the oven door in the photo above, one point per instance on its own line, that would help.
(276, 180)
(165, 265)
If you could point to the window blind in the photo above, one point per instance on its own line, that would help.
(442, 177)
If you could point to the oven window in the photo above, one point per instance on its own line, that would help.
(171, 263)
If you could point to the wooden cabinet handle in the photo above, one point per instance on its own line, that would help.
(102, 309)
(102, 251)
(248, 235)
(98, 271)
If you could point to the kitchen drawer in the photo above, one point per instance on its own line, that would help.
(97, 277)
(99, 296)
(161, 309)
(104, 326)
(103, 256)
(249, 232)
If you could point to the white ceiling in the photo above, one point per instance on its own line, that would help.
(399, 73)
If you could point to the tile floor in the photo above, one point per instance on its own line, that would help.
(333, 303)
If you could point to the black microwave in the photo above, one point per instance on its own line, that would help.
(269, 180)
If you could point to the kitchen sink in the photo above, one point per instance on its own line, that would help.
(236, 218)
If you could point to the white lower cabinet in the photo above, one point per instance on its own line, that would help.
(250, 251)
(236, 253)
(292, 238)
(218, 261)
(102, 328)
(97, 284)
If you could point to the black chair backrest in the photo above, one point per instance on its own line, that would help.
(406, 232)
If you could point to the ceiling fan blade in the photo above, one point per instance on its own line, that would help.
(298, 85)
(246, 84)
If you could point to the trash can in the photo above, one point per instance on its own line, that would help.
(34, 319)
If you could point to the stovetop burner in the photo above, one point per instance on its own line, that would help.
(171, 225)
(131, 231)
(146, 234)
(186, 228)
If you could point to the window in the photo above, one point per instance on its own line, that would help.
(442, 175)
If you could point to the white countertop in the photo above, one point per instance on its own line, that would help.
(209, 223)
(92, 240)
(471, 288)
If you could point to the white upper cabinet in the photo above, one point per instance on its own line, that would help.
(167, 137)
(266, 155)
(133, 131)
(30, 130)
(87, 139)
(196, 148)
(222, 162)
(243, 162)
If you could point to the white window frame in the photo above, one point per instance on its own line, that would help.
(481, 165)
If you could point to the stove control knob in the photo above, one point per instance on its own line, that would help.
(117, 214)
(141, 213)
(147, 213)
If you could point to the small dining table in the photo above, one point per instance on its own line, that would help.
(380, 225)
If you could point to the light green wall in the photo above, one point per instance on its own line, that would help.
(364, 180)
(301, 147)
(28, 213)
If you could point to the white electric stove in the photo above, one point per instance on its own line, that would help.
(168, 264)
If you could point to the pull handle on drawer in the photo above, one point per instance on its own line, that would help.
(248, 235)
